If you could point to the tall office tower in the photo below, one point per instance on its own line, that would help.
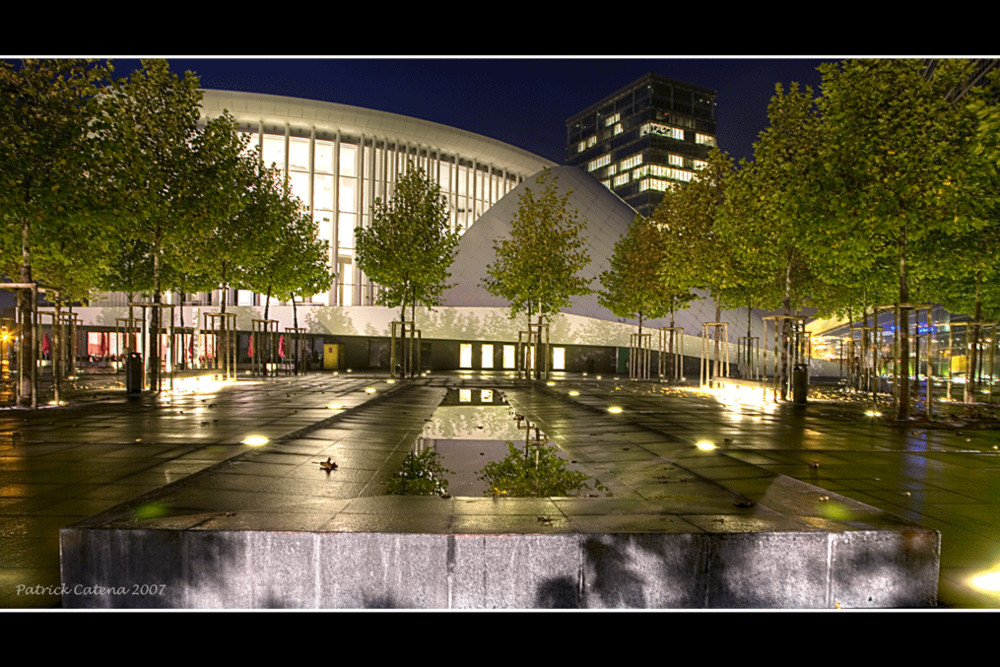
(644, 139)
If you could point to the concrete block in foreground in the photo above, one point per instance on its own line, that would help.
(219, 569)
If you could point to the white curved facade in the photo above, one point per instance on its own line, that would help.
(340, 158)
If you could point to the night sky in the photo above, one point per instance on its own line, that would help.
(524, 102)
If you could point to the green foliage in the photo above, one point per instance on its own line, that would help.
(633, 284)
(759, 222)
(409, 246)
(692, 256)
(536, 266)
(50, 200)
(420, 475)
(537, 473)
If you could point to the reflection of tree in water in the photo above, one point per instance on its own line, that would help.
(462, 422)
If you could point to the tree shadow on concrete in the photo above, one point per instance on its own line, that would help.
(557, 593)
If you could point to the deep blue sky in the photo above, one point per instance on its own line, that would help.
(524, 102)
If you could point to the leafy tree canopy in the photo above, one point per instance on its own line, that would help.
(632, 285)
(409, 245)
(536, 266)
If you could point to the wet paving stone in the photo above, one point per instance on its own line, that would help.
(642, 455)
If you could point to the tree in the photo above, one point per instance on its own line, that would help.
(536, 266)
(633, 286)
(409, 246)
(299, 265)
(174, 178)
(971, 285)
(884, 177)
(759, 223)
(47, 109)
(693, 257)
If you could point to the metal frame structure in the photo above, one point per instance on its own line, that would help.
(712, 361)
(639, 355)
(748, 358)
(265, 347)
(55, 349)
(901, 317)
(294, 334)
(671, 347)
(23, 322)
(218, 324)
(987, 333)
(797, 345)
(400, 329)
(532, 340)
(149, 330)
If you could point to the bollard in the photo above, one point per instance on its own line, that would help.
(133, 374)
(800, 383)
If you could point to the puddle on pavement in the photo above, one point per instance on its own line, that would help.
(469, 429)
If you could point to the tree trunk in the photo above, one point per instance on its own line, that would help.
(904, 336)
(538, 348)
(640, 371)
(673, 371)
(222, 349)
(402, 341)
(295, 327)
(972, 335)
(786, 329)
(25, 355)
(413, 335)
(154, 332)
(718, 365)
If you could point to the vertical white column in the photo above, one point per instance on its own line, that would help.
(335, 242)
(454, 189)
(359, 216)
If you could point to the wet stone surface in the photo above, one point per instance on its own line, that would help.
(88, 460)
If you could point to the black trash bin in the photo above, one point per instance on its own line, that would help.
(133, 374)
(800, 383)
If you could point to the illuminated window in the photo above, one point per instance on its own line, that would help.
(300, 186)
(631, 161)
(509, 356)
(464, 395)
(298, 154)
(621, 179)
(704, 139)
(345, 230)
(602, 161)
(487, 356)
(582, 146)
(347, 155)
(611, 120)
(274, 151)
(662, 130)
(559, 358)
(676, 160)
(618, 128)
(465, 355)
(656, 184)
(324, 157)
(323, 192)
(591, 141)
(346, 201)
(700, 164)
